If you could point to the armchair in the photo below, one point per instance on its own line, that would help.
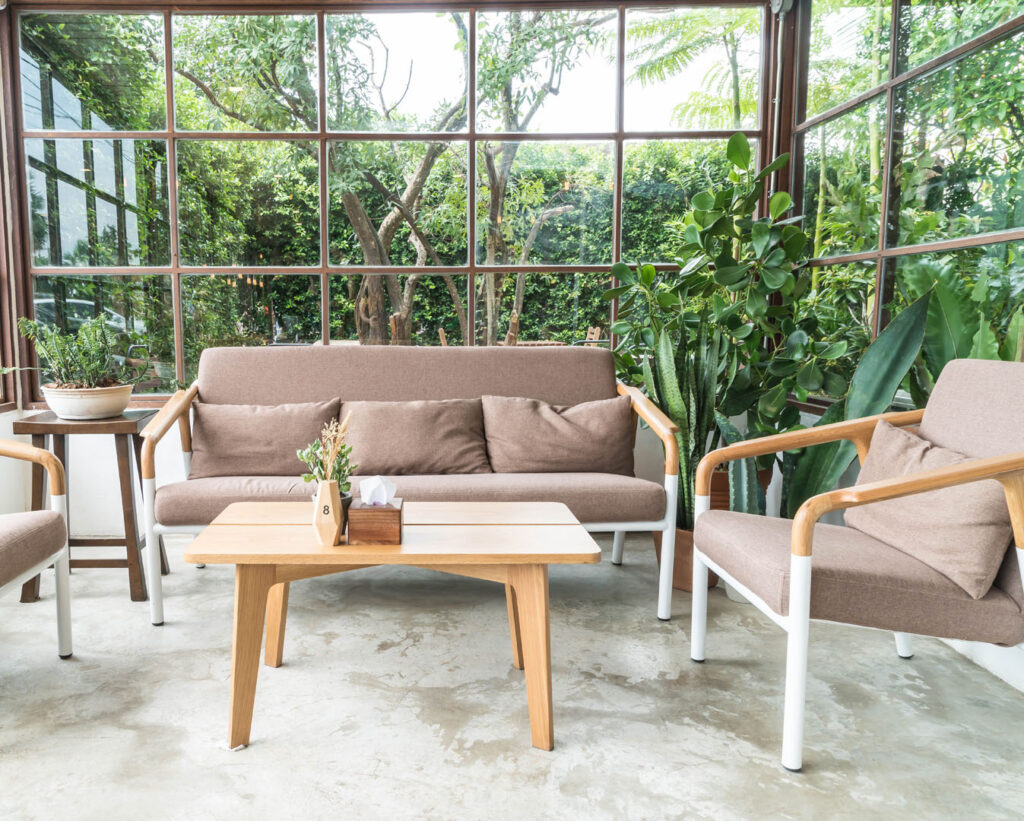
(858, 579)
(31, 542)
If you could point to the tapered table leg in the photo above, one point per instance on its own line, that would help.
(513, 627)
(277, 615)
(530, 584)
(252, 583)
(30, 589)
(133, 556)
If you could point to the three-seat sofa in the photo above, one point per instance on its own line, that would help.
(241, 462)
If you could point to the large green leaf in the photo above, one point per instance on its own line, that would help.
(950, 329)
(1013, 347)
(738, 150)
(985, 344)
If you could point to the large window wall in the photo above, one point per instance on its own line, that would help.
(346, 177)
(909, 144)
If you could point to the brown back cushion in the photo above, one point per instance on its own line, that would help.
(963, 532)
(255, 440)
(530, 436)
(415, 438)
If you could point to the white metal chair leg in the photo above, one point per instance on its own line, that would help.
(62, 575)
(156, 594)
(618, 542)
(668, 548)
(796, 662)
(904, 646)
(699, 601)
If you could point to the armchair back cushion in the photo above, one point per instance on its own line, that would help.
(255, 440)
(962, 532)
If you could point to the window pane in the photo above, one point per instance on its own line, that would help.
(245, 73)
(962, 166)
(842, 181)
(541, 202)
(379, 190)
(659, 178)
(929, 28)
(247, 202)
(558, 308)
(423, 305)
(98, 202)
(137, 309)
(93, 72)
(692, 68)
(550, 71)
(248, 309)
(849, 50)
(396, 72)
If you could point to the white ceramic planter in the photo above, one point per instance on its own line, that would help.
(88, 403)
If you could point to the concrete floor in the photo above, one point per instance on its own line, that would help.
(397, 700)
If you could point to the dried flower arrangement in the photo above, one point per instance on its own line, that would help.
(328, 457)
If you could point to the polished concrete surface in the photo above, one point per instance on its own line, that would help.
(397, 699)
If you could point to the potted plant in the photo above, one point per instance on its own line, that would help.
(328, 460)
(87, 379)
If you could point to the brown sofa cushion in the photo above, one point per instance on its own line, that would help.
(530, 436)
(855, 579)
(26, 539)
(592, 497)
(248, 440)
(963, 532)
(422, 437)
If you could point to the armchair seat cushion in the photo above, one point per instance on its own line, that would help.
(26, 539)
(856, 579)
(592, 497)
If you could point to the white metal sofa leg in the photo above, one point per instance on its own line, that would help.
(798, 625)
(904, 646)
(618, 542)
(699, 602)
(668, 548)
(62, 575)
(156, 592)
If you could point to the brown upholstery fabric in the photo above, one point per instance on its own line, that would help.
(592, 497)
(962, 531)
(244, 440)
(271, 376)
(427, 436)
(26, 539)
(530, 436)
(855, 580)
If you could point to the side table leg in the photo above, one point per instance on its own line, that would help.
(530, 583)
(30, 589)
(136, 581)
(252, 583)
(277, 615)
(513, 627)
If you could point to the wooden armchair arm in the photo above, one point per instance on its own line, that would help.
(663, 427)
(27, 453)
(857, 431)
(1008, 470)
(175, 410)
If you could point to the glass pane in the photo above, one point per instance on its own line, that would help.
(397, 203)
(248, 202)
(962, 166)
(423, 306)
(98, 202)
(929, 28)
(136, 308)
(551, 71)
(93, 72)
(550, 308)
(842, 181)
(248, 309)
(849, 50)
(541, 202)
(245, 73)
(396, 72)
(658, 180)
(692, 68)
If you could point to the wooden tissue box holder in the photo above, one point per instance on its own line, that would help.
(375, 524)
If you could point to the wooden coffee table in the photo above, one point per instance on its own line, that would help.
(272, 544)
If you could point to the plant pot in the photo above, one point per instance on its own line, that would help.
(88, 403)
(330, 513)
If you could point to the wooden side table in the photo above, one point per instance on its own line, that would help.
(125, 430)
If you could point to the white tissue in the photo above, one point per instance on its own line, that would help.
(376, 490)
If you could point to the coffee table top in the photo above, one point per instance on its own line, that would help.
(434, 533)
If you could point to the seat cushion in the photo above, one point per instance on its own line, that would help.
(855, 579)
(26, 539)
(530, 436)
(592, 497)
(963, 531)
(425, 436)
